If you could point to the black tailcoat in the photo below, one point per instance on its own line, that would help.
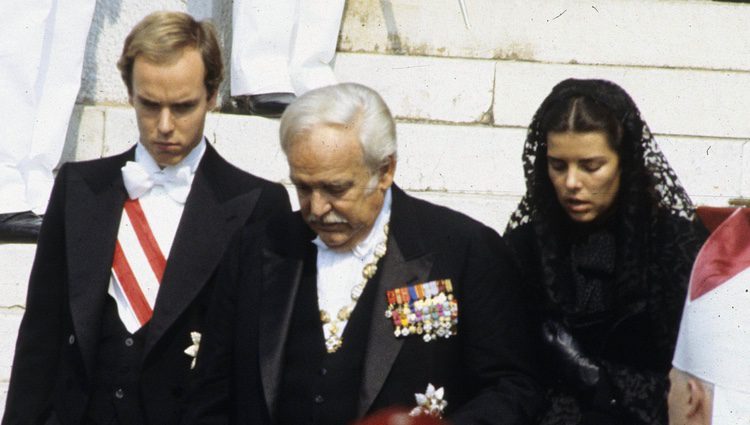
(57, 341)
(486, 369)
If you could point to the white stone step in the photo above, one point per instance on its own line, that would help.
(672, 101)
(656, 33)
(507, 93)
(15, 264)
(425, 88)
(9, 321)
(3, 395)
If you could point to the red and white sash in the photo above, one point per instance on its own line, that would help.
(137, 268)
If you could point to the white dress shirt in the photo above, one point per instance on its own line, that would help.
(339, 272)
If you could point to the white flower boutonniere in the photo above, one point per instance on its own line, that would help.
(192, 351)
(430, 403)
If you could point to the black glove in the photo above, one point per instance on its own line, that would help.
(573, 364)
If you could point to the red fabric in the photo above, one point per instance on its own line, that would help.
(712, 217)
(146, 237)
(130, 286)
(725, 253)
(123, 270)
(398, 416)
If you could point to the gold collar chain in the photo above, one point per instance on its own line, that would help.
(334, 341)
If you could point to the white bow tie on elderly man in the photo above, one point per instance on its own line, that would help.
(176, 181)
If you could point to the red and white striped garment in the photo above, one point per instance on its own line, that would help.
(137, 268)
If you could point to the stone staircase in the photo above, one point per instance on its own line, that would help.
(463, 97)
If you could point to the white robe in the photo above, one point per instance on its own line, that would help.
(42, 47)
(283, 46)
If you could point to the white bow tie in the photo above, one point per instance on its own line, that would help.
(175, 181)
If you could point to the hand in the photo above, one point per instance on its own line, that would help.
(574, 364)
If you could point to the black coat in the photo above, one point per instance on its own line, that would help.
(633, 340)
(57, 340)
(486, 369)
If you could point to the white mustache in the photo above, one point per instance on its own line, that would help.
(330, 218)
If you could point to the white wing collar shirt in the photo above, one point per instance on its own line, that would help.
(339, 272)
(158, 195)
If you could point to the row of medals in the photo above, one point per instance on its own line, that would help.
(432, 317)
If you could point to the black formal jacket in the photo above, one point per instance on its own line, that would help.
(57, 341)
(486, 369)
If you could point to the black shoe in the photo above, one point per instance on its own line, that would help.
(269, 105)
(20, 227)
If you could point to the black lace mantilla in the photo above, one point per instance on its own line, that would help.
(663, 181)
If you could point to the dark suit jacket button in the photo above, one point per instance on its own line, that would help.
(129, 342)
(319, 399)
(119, 393)
(323, 371)
(71, 339)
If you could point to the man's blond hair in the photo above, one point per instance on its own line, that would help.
(161, 38)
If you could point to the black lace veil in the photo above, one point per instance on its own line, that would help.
(647, 167)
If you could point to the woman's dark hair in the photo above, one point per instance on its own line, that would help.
(582, 114)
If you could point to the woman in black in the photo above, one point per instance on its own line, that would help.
(606, 237)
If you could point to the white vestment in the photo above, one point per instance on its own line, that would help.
(42, 44)
(283, 46)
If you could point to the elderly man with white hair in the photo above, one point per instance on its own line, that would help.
(710, 380)
(366, 298)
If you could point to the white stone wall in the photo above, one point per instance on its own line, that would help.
(464, 96)
(697, 34)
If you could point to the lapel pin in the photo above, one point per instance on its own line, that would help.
(192, 350)
(431, 403)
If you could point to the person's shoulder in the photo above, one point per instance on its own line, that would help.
(671, 225)
(219, 167)
(233, 179)
(519, 232)
(520, 236)
(247, 181)
(523, 244)
(679, 234)
(105, 161)
(438, 221)
(440, 216)
(285, 234)
(97, 168)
